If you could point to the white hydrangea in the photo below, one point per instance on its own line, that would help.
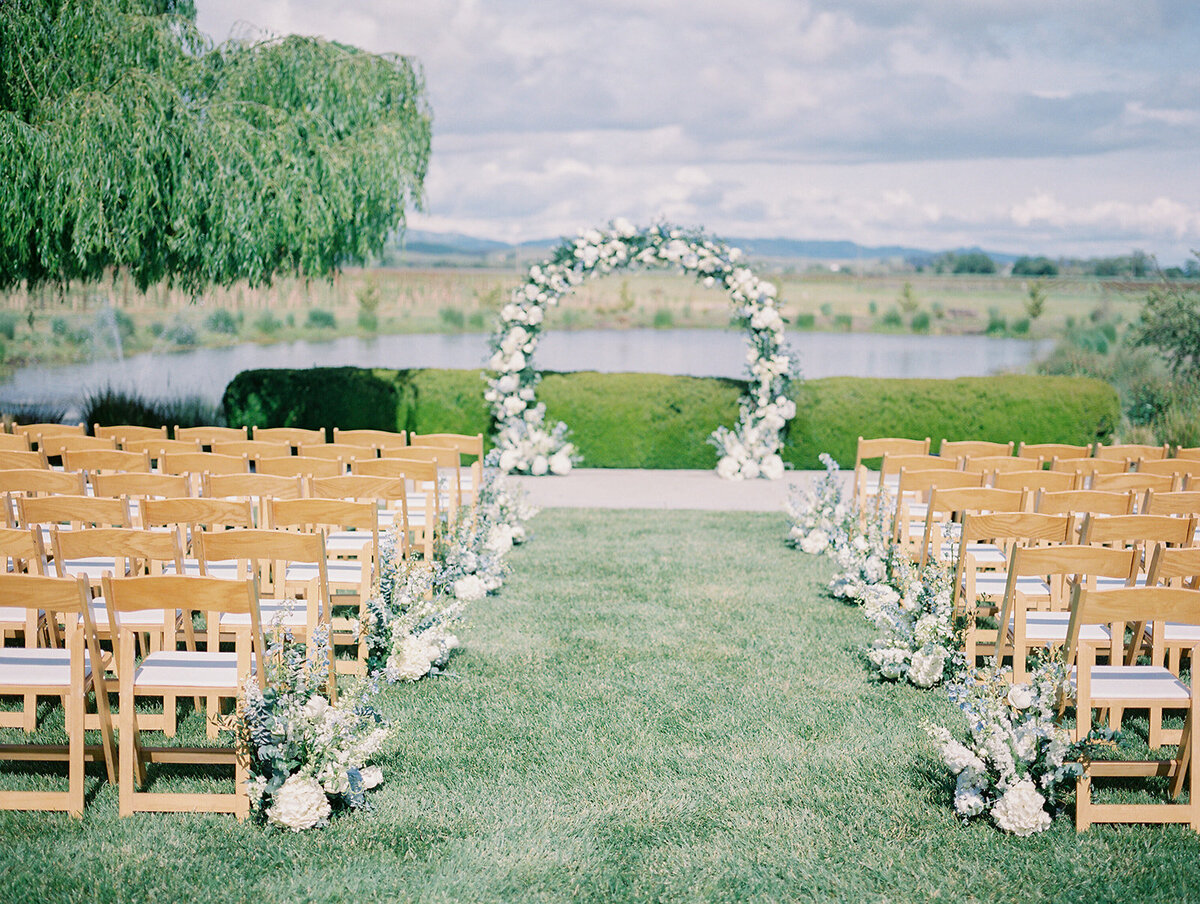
(299, 804)
(926, 666)
(1021, 810)
(469, 588)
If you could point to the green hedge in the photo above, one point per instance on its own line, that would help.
(833, 412)
(656, 421)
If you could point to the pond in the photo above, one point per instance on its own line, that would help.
(716, 353)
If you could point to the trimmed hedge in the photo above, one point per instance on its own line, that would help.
(657, 421)
(833, 412)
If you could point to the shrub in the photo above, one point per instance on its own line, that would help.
(320, 319)
(920, 322)
(892, 318)
(181, 333)
(267, 323)
(443, 401)
(8, 324)
(805, 321)
(663, 319)
(347, 397)
(119, 406)
(843, 322)
(997, 324)
(1020, 327)
(221, 321)
(452, 318)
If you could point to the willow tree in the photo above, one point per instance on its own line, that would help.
(129, 142)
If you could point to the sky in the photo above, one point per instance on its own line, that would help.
(1022, 126)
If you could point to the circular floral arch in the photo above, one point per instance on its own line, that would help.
(528, 445)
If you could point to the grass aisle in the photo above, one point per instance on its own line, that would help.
(658, 707)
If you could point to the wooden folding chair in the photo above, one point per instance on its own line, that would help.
(388, 493)
(979, 592)
(71, 513)
(37, 482)
(1183, 503)
(12, 459)
(959, 449)
(423, 500)
(33, 431)
(864, 484)
(194, 515)
(351, 532)
(124, 433)
(471, 446)
(169, 673)
(1138, 532)
(1116, 687)
(1130, 452)
(56, 445)
(1078, 503)
(376, 439)
(1137, 481)
(24, 553)
(301, 466)
(913, 493)
(1189, 453)
(1170, 568)
(293, 436)
(158, 448)
(1044, 452)
(1031, 623)
(206, 435)
(335, 451)
(98, 461)
(991, 465)
(69, 673)
(1034, 481)
(198, 463)
(449, 465)
(253, 449)
(949, 504)
(254, 488)
(14, 442)
(1184, 470)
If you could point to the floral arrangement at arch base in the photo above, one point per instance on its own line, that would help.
(529, 445)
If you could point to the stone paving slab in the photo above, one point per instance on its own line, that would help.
(621, 488)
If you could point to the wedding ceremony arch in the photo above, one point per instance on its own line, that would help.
(529, 445)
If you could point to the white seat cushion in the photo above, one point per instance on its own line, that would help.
(93, 568)
(1103, 583)
(340, 571)
(992, 583)
(225, 570)
(1135, 682)
(13, 614)
(143, 618)
(347, 541)
(1051, 627)
(41, 667)
(184, 668)
(1177, 632)
(290, 613)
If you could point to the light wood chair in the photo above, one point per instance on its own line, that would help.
(14, 442)
(1130, 452)
(253, 449)
(72, 512)
(1118, 687)
(1189, 453)
(958, 449)
(913, 492)
(96, 461)
(124, 433)
(864, 484)
(1170, 640)
(69, 673)
(197, 463)
(293, 436)
(1186, 469)
(979, 592)
(346, 453)
(56, 445)
(301, 466)
(137, 486)
(1034, 481)
(1044, 452)
(1087, 468)
(376, 439)
(1078, 503)
(1183, 503)
(33, 431)
(206, 435)
(388, 493)
(11, 459)
(254, 488)
(158, 448)
(1138, 481)
(24, 553)
(423, 500)
(465, 444)
(170, 673)
(37, 482)
(947, 504)
(991, 465)
(449, 465)
(1031, 623)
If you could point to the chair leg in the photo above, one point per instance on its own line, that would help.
(127, 757)
(29, 716)
(1083, 803)
(75, 739)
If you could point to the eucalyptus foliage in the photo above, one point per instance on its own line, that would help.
(127, 140)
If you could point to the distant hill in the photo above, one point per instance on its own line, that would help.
(419, 244)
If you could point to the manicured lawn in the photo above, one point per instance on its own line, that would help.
(658, 707)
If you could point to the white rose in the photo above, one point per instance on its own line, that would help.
(540, 466)
(372, 776)
(508, 459)
(514, 405)
(926, 669)
(1020, 696)
(816, 542)
(299, 804)
(560, 462)
(499, 540)
(772, 467)
(727, 468)
(508, 384)
(535, 316)
(316, 706)
(469, 589)
(751, 469)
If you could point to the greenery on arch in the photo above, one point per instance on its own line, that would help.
(128, 141)
(529, 445)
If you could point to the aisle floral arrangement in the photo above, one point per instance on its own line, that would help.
(528, 445)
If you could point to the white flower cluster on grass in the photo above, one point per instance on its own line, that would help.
(529, 446)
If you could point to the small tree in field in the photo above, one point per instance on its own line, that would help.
(129, 142)
(1170, 323)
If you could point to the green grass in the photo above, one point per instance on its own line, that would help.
(658, 707)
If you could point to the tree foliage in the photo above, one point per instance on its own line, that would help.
(127, 140)
(1170, 323)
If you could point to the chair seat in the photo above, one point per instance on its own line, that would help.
(1051, 627)
(339, 571)
(1176, 632)
(40, 667)
(185, 668)
(145, 618)
(13, 615)
(983, 553)
(1135, 683)
(226, 570)
(1103, 583)
(992, 583)
(289, 613)
(92, 568)
(344, 541)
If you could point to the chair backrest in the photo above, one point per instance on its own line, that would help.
(251, 448)
(1130, 451)
(894, 464)
(206, 435)
(15, 459)
(166, 593)
(1043, 452)
(1088, 467)
(254, 488)
(317, 514)
(376, 439)
(1183, 503)
(264, 556)
(359, 486)
(124, 433)
(944, 502)
(293, 436)
(23, 549)
(889, 445)
(74, 510)
(1129, 605)
(140, 486)
(1053, 481)
(211, 514)
(203, 462)
(1185, 467)
(1160, 483)
(1179, 567)
(1190, 453)
(65, 601)
(464, 443)
(974, 448)
(993, 464)
(57, 444)
(14, 442)
(97, 460)
(1081, 502)
(300, 466)
(416, 472)
(42, 481)
(33, 431)
(1026, 527)
(923, 481)
(346, 453)
(1137, 530)
(134, 551)
(158, 448)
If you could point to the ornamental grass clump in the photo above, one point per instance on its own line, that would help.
(308, 756)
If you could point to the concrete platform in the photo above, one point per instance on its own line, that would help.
(619, 488)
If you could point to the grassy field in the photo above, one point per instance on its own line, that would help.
(101, 321)
(658, 707)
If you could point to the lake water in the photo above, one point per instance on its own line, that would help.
(704, 353)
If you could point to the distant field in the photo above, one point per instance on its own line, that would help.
(93, 320)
